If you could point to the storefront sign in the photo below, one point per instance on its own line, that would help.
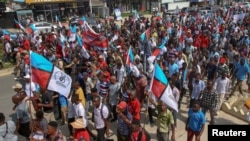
(47, 1)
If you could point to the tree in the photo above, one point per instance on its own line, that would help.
(4, 1)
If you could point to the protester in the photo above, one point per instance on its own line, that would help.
(7, 129)
(109, 64)
(195, 123)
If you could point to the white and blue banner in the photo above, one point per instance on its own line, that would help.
(118, 14)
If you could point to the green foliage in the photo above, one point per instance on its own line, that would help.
(4, 1)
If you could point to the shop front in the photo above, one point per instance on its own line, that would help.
(47, 10)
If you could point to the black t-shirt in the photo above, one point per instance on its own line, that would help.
(211, 70)
(46, 99)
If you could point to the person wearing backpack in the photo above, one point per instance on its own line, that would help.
(100, 118)
(7, 129)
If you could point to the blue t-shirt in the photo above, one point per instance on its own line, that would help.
(173, 68)
(196, 120)
(63, 100)
(242, 71)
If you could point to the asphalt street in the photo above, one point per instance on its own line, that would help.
(6, 83)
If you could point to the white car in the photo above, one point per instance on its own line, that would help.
(44, 27)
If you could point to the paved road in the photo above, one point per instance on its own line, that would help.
(6, 107)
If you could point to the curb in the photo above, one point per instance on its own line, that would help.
(238, 112)
(6, 71)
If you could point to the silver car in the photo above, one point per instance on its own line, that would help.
(44, 27)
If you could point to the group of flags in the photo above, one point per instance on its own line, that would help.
(52, 78)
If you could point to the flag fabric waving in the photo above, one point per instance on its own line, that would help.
(49, 76)
(31, 29)
(58, 22)
(130, 57)
(19, 25)
(91, 38)
(161, 89)
(155, 53)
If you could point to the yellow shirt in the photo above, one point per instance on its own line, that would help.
(80, 93)
(164, 119)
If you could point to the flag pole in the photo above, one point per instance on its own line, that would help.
(149, 90)
(31, 116)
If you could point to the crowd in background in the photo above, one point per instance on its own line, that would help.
(205, 58)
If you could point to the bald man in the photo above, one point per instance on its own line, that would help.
(22, 116)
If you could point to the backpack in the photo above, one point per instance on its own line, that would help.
(109, 114)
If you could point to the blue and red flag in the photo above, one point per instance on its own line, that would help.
(130, 57)
(19, 25)
(161, 89)
(31, 29)
(156, 53)
(48, 76)
(145, 34)
(58, 22)
(91, 38)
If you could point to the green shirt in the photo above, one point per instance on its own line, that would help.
(164, 120)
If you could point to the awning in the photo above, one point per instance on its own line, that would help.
(21, 1)
(23, 12)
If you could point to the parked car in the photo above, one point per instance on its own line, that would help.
(44, 27)
(76, 21)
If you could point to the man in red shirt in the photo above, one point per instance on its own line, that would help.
(134, 106)
(137, 133)
(26, 44)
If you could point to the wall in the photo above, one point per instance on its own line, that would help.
(7, 20)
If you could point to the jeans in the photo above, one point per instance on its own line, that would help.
(101, 134)
(24, 129)
(151, 112)
(212, 114)
(175, 117)
(162, 136)
(183, 93)
(70, 120)
(113, 108)
(121, 137)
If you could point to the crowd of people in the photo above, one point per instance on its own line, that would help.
(205, 58)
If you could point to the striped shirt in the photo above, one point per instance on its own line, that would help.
(104, 88)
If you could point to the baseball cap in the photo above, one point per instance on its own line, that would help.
(27, 76)
(122, 105)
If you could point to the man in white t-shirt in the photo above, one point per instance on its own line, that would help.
(30, 87)
(7, 129)
(100, 118)
(79, 109)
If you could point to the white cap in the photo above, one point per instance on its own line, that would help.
(27, 76)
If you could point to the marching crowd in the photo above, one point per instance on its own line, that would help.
(205, 57)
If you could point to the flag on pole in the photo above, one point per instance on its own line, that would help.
(155, 53)
(31, 29)
(19, 25)
(91, 38)
(130, 57)
(58, 22)
(145, 34)
(48, 76)
(136, 15)
(161, 89)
